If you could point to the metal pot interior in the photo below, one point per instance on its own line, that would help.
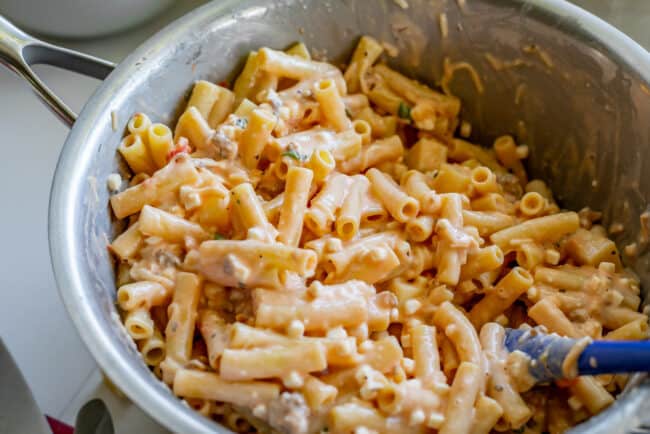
(577, 97)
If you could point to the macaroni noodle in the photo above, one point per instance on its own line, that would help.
(314, 249)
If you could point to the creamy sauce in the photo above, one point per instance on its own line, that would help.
(517, 366)
(351, 311)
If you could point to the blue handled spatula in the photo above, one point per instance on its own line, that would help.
(547, 353)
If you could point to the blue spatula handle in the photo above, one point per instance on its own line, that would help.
(611, 357)
(547, 353)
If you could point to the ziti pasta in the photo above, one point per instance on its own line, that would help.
(312, 250)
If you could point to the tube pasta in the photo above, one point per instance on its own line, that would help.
(500, 386)
(363, 129)
(383, 97)
(463, 393)
(296, 68)
(338, 351)
(632, 331)
(592, 394)
(136, 154)
(462, 150)
(425, 354)
(401, 206)
(138, 324)
(381, 151)
(420, 228)
(491, 202)
(564, 278)
(321, 163)
(204, 95)
(166, 180)
(365, 54)
(215, 333)
(407, 397)
(206, 385)
(179, 333)
(588, 248)
(532, 204)
(483, 180)
(221, 107)
(426, 155)
(487, 414)
(451, 179)
(415, 91)
(212, 101)
(331, 104)
(126, 245)
(482, 261)
(549, 228)
(317, 393)
(273, 362)
(347, 417)
(194, 127)
(246, 78)
(546, 313)
(386, 248)
(460, 331)
(153, 349)
(453, 244)
(230, 263)
(416, 185)
(336, 305)
(487, 222)
(249, 212)
(381, 126)
(254, 138)
(509, 288)
(139, 124)
(530, 255)
(349, 218)
(506, 151)
(156, 222)
(296, 194)
(303, 144)
(142, 295)
(314, 250)
(299, 49)
(159, 137)
(355, 103)
(321, 213)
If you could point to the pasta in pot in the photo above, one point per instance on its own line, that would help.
(294, 256)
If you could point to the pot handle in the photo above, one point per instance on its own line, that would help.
(19, 51)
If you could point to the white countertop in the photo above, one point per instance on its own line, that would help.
(33, 322)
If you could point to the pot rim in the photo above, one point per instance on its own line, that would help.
(76, 158)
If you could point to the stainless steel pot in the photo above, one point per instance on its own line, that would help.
(580, 98)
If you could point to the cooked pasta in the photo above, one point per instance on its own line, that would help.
(293, 256)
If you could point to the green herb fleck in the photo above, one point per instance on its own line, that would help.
(218, 236)
(348, 113)
(292, 154)
(325, 429)
(519, 430)
(404, 111)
